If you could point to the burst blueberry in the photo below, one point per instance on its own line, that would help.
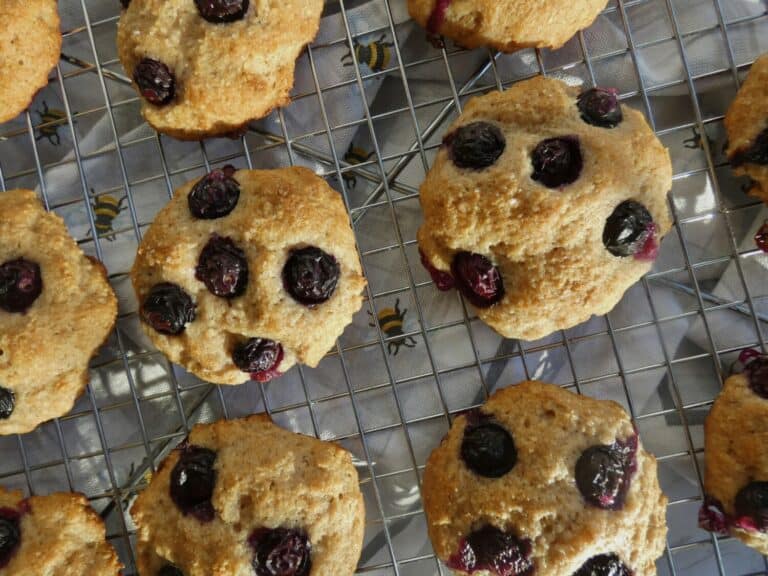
(756, 371)
(215, 195)
(557, 161)
(7, 403)
(600, 107)
(193, 479)
(10, 535)
(602, 476)
(280, 552)
(155, 80)
(604, 565)
(222, 11)
(20, 285)
(222, 267)
(499, 552)
(761, 237)
(259, 356)
(170, 570)
(168, 309)
(757, 153)
(310, 275)
(488, 449)
(477, 279)
(627, 229)
(752, 502)
(476, 146)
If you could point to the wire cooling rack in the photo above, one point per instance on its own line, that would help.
(372, 100)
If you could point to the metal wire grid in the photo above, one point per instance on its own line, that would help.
(387, 193)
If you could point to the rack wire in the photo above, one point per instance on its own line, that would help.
(138, 406)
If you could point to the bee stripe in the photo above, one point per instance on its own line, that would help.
(108, 200)
(387, 326)
(105, 211)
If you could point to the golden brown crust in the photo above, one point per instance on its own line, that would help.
(746, 118)
(60, 534)
(538, 498)
(510, 25)
(736, 434)
(46, 351)
(546, 242)
(30, 44)
(265, 477)
(226, 74)
(278, 210)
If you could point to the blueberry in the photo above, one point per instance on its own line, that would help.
(222, 267)
(477, 279)
(501, 553)
(10, 534)
(168, 309)
(712, 516)
(259, 356)
(170, 570)
(755, 154)
(756, 372)
(476, 146)
(125, 3)
(20, 285)
(557, 161)
(310, 275)
(7, 403)
(761, 237)
(627, 229)
(443, 280)
(604, 565)
(215, 195)
(155, 80)
(600, 107)
(602, 476)
(488, 450)
(192, 481)
(752, 501)
(280, 552)
(218, 11)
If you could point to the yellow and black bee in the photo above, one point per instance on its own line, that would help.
(105, 209)
(375, 55)
(354, 156)
(391, 323)
(51, 119)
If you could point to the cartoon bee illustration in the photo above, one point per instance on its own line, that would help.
(391, 323)
(106, 208)
(354, 156)
(52, 119)
(375, 55)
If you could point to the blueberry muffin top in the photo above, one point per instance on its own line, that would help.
(246, 497)
(244, 273)
(208, 67)
(544, 204)
(539, 480)
(30, 43)
(56, 310)
(506, 25)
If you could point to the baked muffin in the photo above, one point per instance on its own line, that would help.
(736, 474)
(746, 124)
(56, 310)
(544, 205)
(539, 480)
(246, 497)
(208, 67)
(30, 44)
(248, 272)
(506, 25)
(59, 534)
